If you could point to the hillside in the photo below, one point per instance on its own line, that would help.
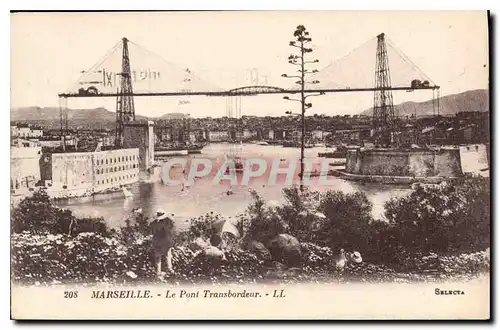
(473, 100)
(174, 115)
(77, 118)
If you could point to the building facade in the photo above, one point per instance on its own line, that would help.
(215, 136)
(24, 168)
(85, 173)
(26, 131)
(141, 136)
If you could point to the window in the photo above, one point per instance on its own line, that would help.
(107, 180)
(106, 161)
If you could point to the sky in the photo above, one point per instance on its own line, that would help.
(231, 49)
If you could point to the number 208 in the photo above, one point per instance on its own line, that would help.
(70, 294)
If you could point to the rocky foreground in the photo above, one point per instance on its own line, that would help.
(91, 258)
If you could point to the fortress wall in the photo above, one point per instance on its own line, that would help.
(426, 163)
(447, 163)
(474, 158)
(141, 136)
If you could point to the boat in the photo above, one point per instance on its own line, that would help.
(295, 144)
(273, 142)
(238, 166)
(127, 193)
(234, 154)
(291, 144)
(195, 148)
(170, 150)
(339, 152)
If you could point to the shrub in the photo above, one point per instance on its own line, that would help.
(261, 222)
(136, 226)
(37, 215)
(203, 226)
(445, 218)
(470, 264)
(347, 223)
(299, 213)
(316, 257)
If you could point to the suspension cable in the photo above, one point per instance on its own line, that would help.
(101, 60)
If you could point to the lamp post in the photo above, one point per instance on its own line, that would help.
(301, 40)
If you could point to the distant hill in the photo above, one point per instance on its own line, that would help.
(174, 115)
(50, 117)
(473, 100)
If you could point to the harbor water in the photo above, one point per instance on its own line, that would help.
(204, 197)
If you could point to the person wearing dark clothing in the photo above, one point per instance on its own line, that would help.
(162, 229)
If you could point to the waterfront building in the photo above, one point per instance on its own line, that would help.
(24, 166)
(141, 136)
(57, 141)
(215, 136)
(25, 131)
(85, 173)
(318, 134)
(24, 143)
(249, 134)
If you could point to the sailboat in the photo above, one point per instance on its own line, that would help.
(234, 154)
(233, 107)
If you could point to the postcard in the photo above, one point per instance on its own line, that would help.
(260, 165)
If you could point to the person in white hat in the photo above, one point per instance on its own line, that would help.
(162, 229)
(356, 257)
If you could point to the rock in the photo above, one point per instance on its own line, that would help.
(213, 253)
(259, 250)
(285, 248)
(209, 258)
(198, 244)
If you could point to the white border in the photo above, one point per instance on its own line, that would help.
(185, 5)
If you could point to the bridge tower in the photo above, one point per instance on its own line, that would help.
(125, 111)
(383, 107)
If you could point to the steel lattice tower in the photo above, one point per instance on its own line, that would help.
(125, 111)
(383, 108)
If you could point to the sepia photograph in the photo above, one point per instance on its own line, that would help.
(250, 165)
